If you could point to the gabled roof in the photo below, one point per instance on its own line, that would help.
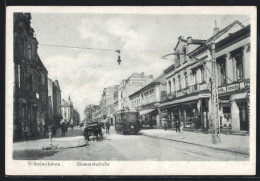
(215, 37)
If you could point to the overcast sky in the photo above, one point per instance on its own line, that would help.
(83, 74)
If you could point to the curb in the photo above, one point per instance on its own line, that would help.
(222, 149)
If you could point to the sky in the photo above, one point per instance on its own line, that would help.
(142, 38)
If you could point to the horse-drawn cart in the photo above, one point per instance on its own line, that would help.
(93, 129)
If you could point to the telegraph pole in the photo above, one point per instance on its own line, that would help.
(214, 99)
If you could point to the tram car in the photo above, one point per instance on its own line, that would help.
(127, 122)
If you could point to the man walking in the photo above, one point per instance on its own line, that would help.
(107, 127)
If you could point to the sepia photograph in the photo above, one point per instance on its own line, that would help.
(91, 90)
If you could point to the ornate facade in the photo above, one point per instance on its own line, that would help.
(30, 83)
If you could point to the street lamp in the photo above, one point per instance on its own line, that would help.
(118, 60)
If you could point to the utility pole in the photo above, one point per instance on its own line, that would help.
(214, 99)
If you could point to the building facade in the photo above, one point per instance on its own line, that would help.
(188, 80)
(107, 103)
(30, 83)
(127, 87)
(67, 111)
(54, 95)
(147, 101)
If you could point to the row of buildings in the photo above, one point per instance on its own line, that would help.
(37, 98)
(183, 91)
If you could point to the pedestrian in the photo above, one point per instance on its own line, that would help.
(177, 126)
(63, 129)
(181, 129)
(107, 127)
(27, 133)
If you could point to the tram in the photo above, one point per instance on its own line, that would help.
(127, 122)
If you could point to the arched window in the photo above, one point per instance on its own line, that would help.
(170, 86)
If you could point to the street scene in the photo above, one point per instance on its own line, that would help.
(131, 87)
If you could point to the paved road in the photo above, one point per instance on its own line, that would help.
(138, 147)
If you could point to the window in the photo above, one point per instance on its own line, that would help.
(202, 74)
(178, 59)
(239, 67)
(170, 86)
(43, 79)
(29, 51)
(173, 86)
(18, 75)
(179, 80)
(29, 83)
(184, 50)
(186, 79)
(222, 67)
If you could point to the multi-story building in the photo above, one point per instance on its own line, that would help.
(30, 80)
(127, 87)
(54, 93)
(67, 111)
(147, 101)
(93, 113)
(189, 79)
(107, 103)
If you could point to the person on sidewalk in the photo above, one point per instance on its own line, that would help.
(181, 129)
(27, 133)
(63, 129)
(107, 127)
(177, 126)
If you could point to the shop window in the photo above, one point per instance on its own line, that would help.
(226, 109)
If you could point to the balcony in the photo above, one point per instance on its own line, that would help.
(197, 88)
(234, 86)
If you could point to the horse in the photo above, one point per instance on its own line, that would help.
(98, 131)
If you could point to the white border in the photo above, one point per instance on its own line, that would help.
(14, 167)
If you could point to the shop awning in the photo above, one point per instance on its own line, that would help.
(239, 96)
(146, 111)
(186, 99)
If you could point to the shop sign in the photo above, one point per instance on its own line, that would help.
(181, 93)
(224, 101)
(247, 84)
(232, 87)
(222, 89)
(137, 83)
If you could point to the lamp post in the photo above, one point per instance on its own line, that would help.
(214, 98)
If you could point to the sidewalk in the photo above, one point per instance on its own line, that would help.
(232, 143)
(59, 143)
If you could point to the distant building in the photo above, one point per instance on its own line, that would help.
(30, 80)
(92, 113)
(129, 86)
(147, 101)
(76, 119)
(54, 94)
(67, 111)
(189, 86)
(107, 103)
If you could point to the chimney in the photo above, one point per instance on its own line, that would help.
(216, 29)
(189, 41)
(151, 76)
(142, 73)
